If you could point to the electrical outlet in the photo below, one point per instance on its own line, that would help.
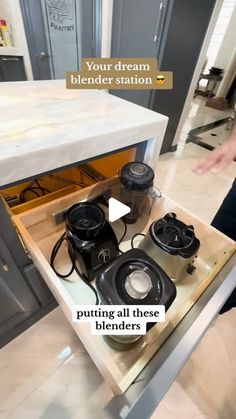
(58, 217)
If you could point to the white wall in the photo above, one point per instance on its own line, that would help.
(5, 11)
(228, 43)
(219, 32)
(11, 11)
(107, 10)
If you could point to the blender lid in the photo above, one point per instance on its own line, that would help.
(135, 278)
(174, 236)
(85, 220)
(136, 176)
(138, 284)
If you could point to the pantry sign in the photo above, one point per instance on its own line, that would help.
(119, 73)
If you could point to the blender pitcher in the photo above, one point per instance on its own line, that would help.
(136, 180)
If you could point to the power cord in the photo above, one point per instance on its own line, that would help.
(123, 235)
(36, 190)
(71, 251)
(134, 236)
(70, 181)
(72, 255)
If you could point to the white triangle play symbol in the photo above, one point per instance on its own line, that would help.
(116, 210)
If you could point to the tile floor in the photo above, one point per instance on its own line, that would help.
(216, 136)
(46, 373)
(200, 195)
(205, 388)
(200, 114)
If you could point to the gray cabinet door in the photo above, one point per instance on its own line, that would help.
(17, 303)
(36, 38)
(138, 32)
(12, 68)
(1, 74)
(22, 261)
(60, 32)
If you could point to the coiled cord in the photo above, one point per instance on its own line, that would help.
(72, 255)
(37, 190)
(71, 251)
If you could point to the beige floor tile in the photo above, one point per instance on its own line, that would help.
(17, 382)
(76, 389)
(209, 376)
(206, 384)
(217, 136)
(200, 115)
(52, 336)
(177, 403)
(27, 361)
(201, 195)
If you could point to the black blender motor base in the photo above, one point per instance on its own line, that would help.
(135, 279)
(92, 238)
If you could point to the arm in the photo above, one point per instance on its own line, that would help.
(218, 159)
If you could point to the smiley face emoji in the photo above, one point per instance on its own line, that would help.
(160, 79)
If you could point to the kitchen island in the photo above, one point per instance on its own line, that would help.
(44, 126)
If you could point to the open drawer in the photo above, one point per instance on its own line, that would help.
(45, 188)
(39, 234)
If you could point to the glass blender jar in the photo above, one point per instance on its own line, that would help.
(136, 179)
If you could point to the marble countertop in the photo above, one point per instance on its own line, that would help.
(44, 126)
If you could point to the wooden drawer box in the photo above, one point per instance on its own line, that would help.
(119, 369)
(30, 194)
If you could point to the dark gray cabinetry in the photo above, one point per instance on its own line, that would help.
(138, 31)
(24, 296)
(1, 75)
(188, 26)
(12, 68)
(16, 300)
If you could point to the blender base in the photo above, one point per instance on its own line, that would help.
(120, 346)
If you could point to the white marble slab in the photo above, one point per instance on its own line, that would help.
(45, 126)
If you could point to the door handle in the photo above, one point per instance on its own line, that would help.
(161, 8)
(10, 59)
(4, 265)
(43, 55)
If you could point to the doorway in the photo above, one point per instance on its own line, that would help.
(59, 33)
(174, 32)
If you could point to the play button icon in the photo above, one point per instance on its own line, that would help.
(116, 210)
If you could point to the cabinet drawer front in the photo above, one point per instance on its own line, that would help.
(16, 300)
(13, 68)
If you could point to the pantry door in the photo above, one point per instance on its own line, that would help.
(59, 33)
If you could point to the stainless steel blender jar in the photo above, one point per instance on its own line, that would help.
(173, 245)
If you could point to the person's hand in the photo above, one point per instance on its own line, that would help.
(218, 159)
